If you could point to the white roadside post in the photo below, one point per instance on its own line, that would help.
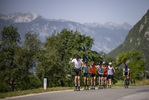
(45, 83)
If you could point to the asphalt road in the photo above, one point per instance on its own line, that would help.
(115, 93)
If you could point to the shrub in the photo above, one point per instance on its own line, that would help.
(4, 87)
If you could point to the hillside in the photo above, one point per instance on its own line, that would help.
(111, 33)
(137, 39)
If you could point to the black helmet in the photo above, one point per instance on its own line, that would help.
(99, 63)
(125, 66)
(86, 61)
(77, 56)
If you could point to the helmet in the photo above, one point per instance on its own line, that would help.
(125, 66)
(92, 64)
(77, 56)
(104, 63)
(99, 63)
(110, 63)
(86, 61)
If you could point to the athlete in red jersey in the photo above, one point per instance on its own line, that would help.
(105, 74)
(93, 72)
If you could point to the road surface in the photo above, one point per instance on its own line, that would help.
(115, 93)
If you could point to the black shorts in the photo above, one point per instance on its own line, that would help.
(77, 72)
(92, 75)
(126, 73)
(100, 75)
(104, 75)
(86, 75)
(110, 76)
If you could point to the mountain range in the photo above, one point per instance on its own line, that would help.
(137, 39)
(106, 36)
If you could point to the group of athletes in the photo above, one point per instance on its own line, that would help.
(104, 72)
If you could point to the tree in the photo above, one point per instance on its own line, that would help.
(57, 51)
(27, 59)
(10, 40)
(51, 63)
(135, 62)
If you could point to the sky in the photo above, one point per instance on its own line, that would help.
(82, 11)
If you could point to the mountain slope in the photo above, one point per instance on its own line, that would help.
(137, 39)
(107, 36)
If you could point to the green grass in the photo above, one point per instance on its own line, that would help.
(33, 91)
(137, 83)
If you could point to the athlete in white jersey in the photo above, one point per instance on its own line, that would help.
(110, 73)
(77, 70)
(100, 75)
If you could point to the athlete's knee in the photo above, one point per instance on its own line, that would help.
(102, 78)
(87, 79)
(78, 77)
(94, 79)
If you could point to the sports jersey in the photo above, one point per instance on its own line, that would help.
(110, 70)
(77, 64)
(105, 70)
(100, 70)
(85, 69)
(93, 70)
(126, 70)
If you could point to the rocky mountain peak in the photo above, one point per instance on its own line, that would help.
(20, 17)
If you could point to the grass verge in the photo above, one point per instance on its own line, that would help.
(137, 83)
(33, 91)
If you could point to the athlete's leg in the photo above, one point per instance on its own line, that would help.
(91, 81)
(84, 81)
(94, 81)
(76, 80)
(110, 81)
(105, 81)
(79, 83)
(99, 81)
(87, 83)
(128, 79)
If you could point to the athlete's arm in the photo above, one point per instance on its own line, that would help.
(114, 69)
(90, 66)
(82, 65)
(123, 72)
(128, 72)
(96, 67)
(82, 62)
(71, 61)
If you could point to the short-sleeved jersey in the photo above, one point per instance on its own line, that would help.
(126, 70)
(77, 64)
(105, 69)
(100, 70)
(93, 70)
(86, 69)
(110, 70)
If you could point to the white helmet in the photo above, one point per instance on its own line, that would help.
(103, 62)
(110, 63)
